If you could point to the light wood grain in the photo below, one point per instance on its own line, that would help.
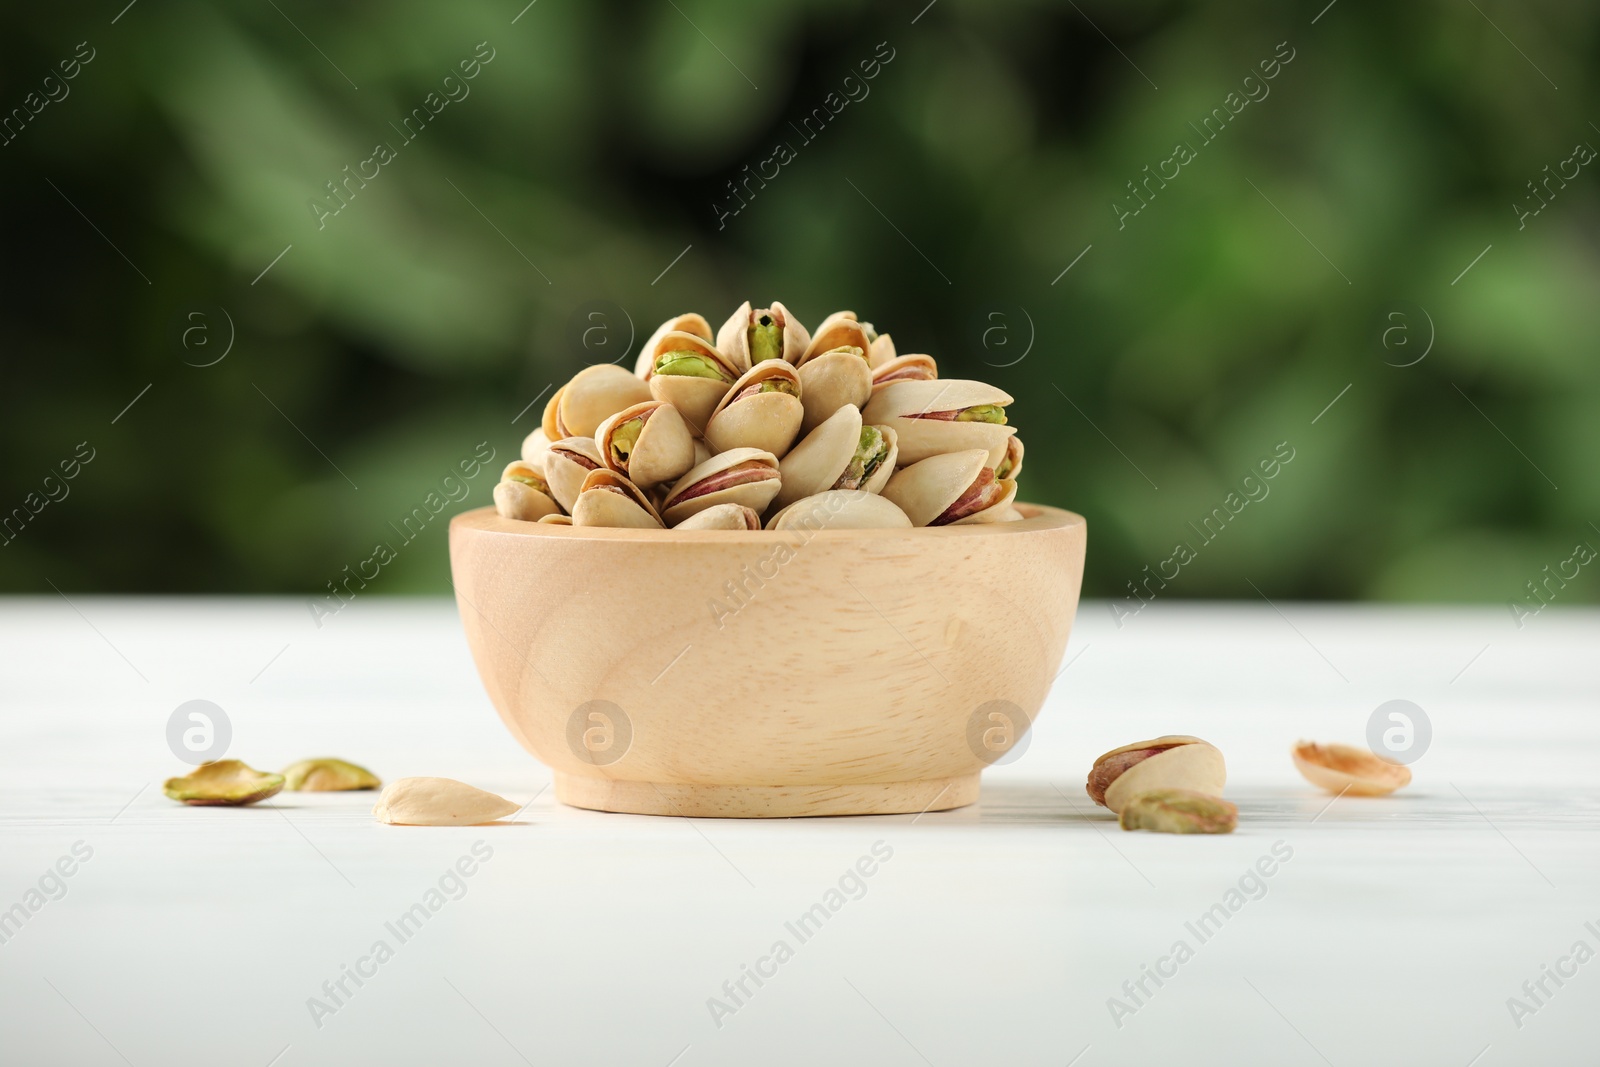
(765, 674)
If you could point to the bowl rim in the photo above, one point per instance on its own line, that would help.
(1036, 518)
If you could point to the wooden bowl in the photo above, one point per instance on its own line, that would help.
(751, 674)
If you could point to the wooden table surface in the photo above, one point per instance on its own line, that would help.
(1442, 925)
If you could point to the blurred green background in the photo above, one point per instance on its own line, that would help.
(576, 192)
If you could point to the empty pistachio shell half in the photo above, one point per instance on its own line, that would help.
(832, 380)
(1347, 769)
(438, 802)
(607, 498)
(722, 517)
(566, 464)
(745, 476)
(942, 415)
(951, 489)
(840, 509)
(647, 442)
(593, 395)
(762, 410)
(691, 323)
(226, 782)
(910, 368)
(689, 373)
(1176, 761)
(1179, 811)
(752, 335)
(327, 775)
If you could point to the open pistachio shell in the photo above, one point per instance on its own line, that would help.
(556, 519)
(516, 499)
(692, 323)
(327, 775)
(745, 476)
(722, 517)
(694, 395)
(594, 394)
(830, 381)
(751, 336)
(1347, 769)
(839, 330)
(762, 410)
(566, 464)
(606, 498)
(648, 442)
(881, 352)
(533, 448)
(840, 509)
(914, 367)
(1176, 761)
(928, 490)
(920, 412)
(438, 802)
(225, 783)
(825, 457)
(1011, 464)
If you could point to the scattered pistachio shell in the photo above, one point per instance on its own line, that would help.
(1347, 769)
(1176, 761)
(1179, 811)
(228, 782)
(438, 802)
(327, 775)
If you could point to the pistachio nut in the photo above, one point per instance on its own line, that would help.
(648, 442)
(954, 488)
(915, 367)
(566, 465)
(745, 476)
(1176, 761)
(831, 380)
(593, 394)
(1179, 811)
(751, 336)
(438, 802)
(522, 493)
(1347, 769)
(226, 782)
(839, 330)
(556, 519)
(692, 323)
(944, 415)
(690, 374)
(533, 448)
(762, 410)
(327, 775)
(881, 352)
(1011, 463)
(839, 454)
(722, 517)
(607, 498)
(840, 509)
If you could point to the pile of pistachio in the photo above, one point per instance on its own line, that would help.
(767, 424)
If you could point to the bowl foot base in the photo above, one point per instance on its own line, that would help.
(765, 801)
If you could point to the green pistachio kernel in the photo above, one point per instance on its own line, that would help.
(993, 413)
(529, 479)
(623, 438)
(1003, 470)
(766, 339)
(691, 365)
(872, 450)
(779, 385)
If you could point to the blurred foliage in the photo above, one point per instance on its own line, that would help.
(943, 203)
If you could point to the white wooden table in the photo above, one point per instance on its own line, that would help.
(1390, 931)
